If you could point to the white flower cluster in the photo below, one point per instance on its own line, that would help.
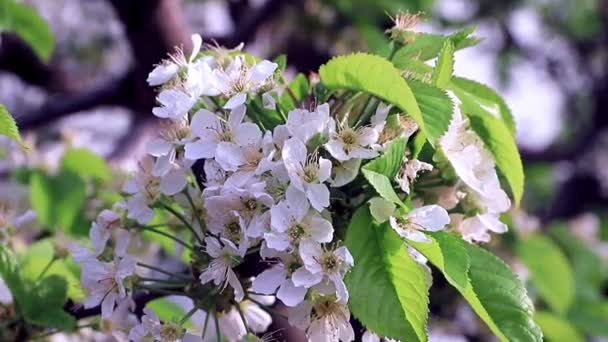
(267, 193)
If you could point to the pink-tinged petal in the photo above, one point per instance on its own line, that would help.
(304, 278)
(261, 71)
(229, 156)
(310, 252)
(290, 294)
(247, 134)
(318, 195)
(204, 121)
(236, 101)
(368, 136)
(268, 102)
(200, 149)
(320, 229)
(430, 217)
(268, 281)
(158, 147)
(336, 149)
(107, 305)
(344, 254)
(493, 223)
(173, 182)
(324, 169)
(277, 241)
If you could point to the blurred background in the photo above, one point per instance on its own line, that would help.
(548, 58)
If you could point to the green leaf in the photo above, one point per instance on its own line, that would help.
(498, 140)
(492, 290)
(388, 289)
(502, 296)
(557, 329)
(590, 317)
(377, 76)
(28, 25)
(45, 305)
(381, 209)
(436, 106)
(8, 126)
(389, 163)
(382, 185)
(168, 311)
(550, 271)
(444, 68)
(11, 274)
(85, 163)
(39, 254)
(427, 46)
(589, 271)
(281, 60)
(58, 200)
(298, 88)
(448, 254)
(488, 99)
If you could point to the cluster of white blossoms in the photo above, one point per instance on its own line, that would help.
(247, 192)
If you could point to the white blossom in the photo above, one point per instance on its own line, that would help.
(325, 320)
(428, 218)
(101, 229)
(225, 257)
(346, 143)
(408, 173)
(279, 277)
(323, 266)
(475, 228)
(307, 172)
(304, 124)
(345, 172)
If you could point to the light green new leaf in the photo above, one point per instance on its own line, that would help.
(488, 99)
(168, 311)
(550, 271)
(390, 161)
(448, 254)
(38, 255)
(444, 68)
(388, 289)
(427, 46)
(298, 88)
(381, 209)
(11, 274)
(436, 106)
(8, 126)
(498, 140)
(557, 329)
(382, 185)
(374, 75)
(58, 200)
(23, 20)
(45, 304)
(487, 284)
(85, 163)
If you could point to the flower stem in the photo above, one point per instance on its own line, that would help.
(160, 290)
(217, 327)
(46, 268)
(158, 269)
(183, 219)
(194, 212)
(238, 307)
(165, 234)
(188, 315)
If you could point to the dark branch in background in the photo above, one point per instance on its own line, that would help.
(17, 57)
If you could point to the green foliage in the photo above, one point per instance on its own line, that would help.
(23, 20)
(86, 164)
(298, 88)
(444, 68)
(377, 76)
(492, 290)
(590, 273)
(388, 289)
(38, 255)
(380, 171)
(498, 140)
(8, 126)
(427, 46)
(436, 106)
(45, 303)
(487, 98)
(550, 271)
(557, 329)
(168, 311)
(591, 317)
(41, 302)
(58, 200)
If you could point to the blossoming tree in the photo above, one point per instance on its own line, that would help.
(332, 194)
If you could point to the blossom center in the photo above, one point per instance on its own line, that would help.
(330, 263)
(233, 231)
(296, 231)
(349, 137)
(311, 174)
